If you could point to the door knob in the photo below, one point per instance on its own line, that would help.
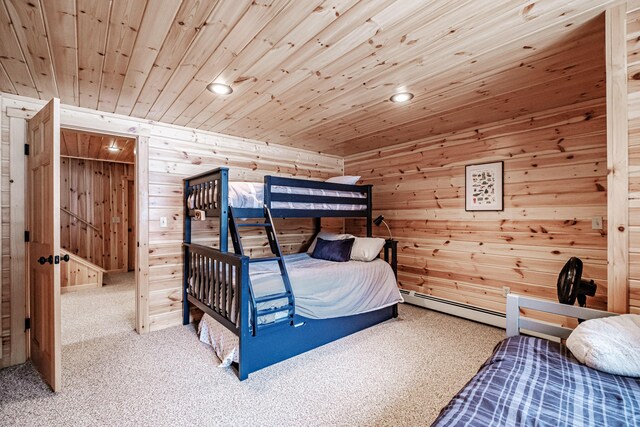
(42, 260)
(64, 257)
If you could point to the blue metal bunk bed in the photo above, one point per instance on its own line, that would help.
(217, 282)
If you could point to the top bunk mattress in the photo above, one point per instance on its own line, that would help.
(251, 195)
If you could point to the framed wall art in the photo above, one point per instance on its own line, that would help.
(484, 187)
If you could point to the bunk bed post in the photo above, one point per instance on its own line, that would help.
(187, 239)
(369, 211)
(394, 258)
(223, 202)
(267, 191)
(244, 332)
(391, 245)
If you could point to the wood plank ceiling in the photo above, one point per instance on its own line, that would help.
(314, 74)
(89, 146)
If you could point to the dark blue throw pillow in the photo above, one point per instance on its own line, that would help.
(333, 250)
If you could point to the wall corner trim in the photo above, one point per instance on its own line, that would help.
(617, 159)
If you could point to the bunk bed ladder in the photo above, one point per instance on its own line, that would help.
(270, 231)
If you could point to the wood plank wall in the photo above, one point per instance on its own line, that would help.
(95, 191)
(633, 87)
(170, 161)
(78, 274)
(555, 174)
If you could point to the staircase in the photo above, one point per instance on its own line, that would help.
(79, 274)
(270, 231)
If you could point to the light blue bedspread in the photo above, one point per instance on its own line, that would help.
(326, 289)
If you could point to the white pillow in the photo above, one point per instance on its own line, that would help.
(326, 235)
(610, 344)
(347, 179)
(366, 248)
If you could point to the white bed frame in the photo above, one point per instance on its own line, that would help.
(516, 322)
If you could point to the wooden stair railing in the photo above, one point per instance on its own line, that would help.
(79, 274)
(82, 220)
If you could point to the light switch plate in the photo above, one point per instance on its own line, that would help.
(596, 223)
(163, 222)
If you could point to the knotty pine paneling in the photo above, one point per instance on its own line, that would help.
(86, 145)
(633, 88)
(95, 191)
(555, 181)
(77, 274)
(314, 74)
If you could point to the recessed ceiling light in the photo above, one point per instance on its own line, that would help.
(401, 97)
(219, 88)
(114, 148)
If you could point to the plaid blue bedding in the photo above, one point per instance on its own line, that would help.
(535, 382)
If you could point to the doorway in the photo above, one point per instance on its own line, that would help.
(43, 258)
(97, 235)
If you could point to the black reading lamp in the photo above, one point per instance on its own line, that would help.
(380, 220)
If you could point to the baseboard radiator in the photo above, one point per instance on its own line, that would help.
(454, 308)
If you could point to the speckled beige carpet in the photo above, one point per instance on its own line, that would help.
(399, 373)
(96, 313)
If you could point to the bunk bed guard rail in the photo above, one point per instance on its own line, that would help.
(217, 284)
(209, 192)
(271, 197)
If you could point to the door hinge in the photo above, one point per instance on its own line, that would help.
(27, 323)
(27, 236)
(26, 149)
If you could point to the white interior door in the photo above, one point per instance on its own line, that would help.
(43, 207)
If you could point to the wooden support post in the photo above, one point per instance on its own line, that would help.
(142, 229)
(617, 160)
(185, 263)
